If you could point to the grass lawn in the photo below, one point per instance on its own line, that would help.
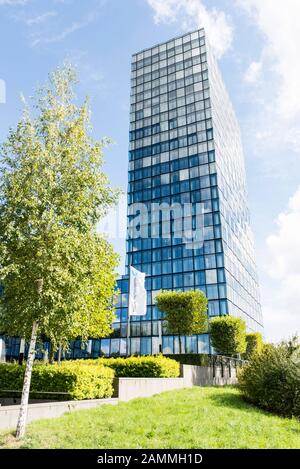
(189, 418)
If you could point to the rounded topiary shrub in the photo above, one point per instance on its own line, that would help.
(228, 335)
(271, 380)
(254, 343)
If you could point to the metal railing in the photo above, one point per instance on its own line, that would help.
(223, 362)
(33, 392)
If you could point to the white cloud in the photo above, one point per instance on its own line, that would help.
(253, 72)
(279, 23)
(279, 324)
(284, 245)
(191, 14)
(282, 304)
(272, 125)
(73, 27)
(41, 18)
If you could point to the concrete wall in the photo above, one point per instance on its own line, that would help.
(129, 388)
(204, 376)
(9, 414)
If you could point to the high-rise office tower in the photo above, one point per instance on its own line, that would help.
(185, 151)
(188, 218)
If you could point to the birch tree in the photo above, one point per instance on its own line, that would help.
(57, 272)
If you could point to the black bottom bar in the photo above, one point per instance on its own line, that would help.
(131, 458)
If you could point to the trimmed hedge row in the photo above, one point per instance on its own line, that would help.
(254, 343)
(271, 380)
(145, 366)
(198, 359)
(71, 377)
(83, 379)
(228, 335)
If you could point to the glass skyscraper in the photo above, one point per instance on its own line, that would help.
(184, 150)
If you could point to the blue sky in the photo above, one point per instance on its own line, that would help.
(257, 43)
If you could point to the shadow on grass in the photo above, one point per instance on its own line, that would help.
(237, 401)
(234, 400)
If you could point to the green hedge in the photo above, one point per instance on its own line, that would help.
(228, 335)
(254, 343)
(271, 380)
(71, 377)
(198, 359)
(147, 366)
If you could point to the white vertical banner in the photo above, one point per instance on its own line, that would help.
(2, 350)
(22, 346)
(89, 346)
(137, 303)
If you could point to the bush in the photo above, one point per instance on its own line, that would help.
(228, 335)
(73, 378)
(198, 359)
(148, 366)
(185, 312)
(271, 380)
(254, 343)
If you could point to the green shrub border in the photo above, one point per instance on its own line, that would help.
(70, 380)
(271, 380)
(158, 366)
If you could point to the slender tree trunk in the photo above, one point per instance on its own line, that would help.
(59, 355)
(180, 347)
(22, 351)
(51, 354)
(26, 384)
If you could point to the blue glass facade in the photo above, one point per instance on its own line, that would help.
(185, 148)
